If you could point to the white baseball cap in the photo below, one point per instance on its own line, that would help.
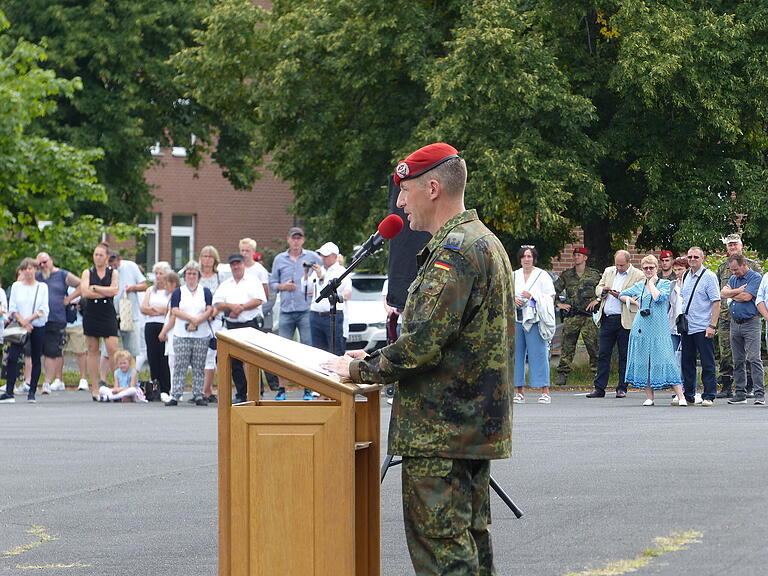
(327, 249)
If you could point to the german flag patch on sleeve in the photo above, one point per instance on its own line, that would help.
(442, 265)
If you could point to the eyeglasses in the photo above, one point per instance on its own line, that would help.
(42, 261)
(693, 257)
(649, 267)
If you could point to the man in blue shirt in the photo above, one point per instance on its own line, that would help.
(701, 305)
(287, 272)
(746, 324)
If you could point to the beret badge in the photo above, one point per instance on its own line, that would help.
(402, 170)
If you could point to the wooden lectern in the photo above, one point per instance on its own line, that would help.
(299, 490)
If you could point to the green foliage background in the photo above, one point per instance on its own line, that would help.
(623, 116)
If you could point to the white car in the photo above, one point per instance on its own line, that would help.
(367, 317)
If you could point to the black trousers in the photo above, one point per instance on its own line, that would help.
(156, 358)
(612, 333)
(36, 340)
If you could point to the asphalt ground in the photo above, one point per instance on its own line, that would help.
(112, 489)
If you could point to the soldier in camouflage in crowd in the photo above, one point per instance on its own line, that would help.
(579, 284)
(452, 411)
(733, 245)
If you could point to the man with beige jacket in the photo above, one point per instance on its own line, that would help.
(615, 320)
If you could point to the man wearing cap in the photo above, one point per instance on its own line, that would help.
(239, 298)
(287, 272)
(320, 312)
(733, 245)
(666, 258)
(576, 290)
(452, 411)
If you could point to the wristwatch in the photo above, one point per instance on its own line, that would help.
(713, 326)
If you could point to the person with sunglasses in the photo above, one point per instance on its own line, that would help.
(651, 360)
(701, 304)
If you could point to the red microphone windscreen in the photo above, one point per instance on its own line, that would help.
(390, 226)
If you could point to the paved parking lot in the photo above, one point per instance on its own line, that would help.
(130, 490)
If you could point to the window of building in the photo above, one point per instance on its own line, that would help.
(148, 249)
(182, 239)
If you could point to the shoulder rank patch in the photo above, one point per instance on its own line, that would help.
(442, 265)
(453, 241)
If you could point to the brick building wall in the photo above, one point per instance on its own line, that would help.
(222, 215)
(565, 260)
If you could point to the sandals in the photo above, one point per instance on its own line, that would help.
(545, 399)
(518, 399)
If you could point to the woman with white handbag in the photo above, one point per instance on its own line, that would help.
(28, 307)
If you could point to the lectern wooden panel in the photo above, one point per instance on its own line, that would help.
(298, 481)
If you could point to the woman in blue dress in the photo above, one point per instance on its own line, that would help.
(651, 356)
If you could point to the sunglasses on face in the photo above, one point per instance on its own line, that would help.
(649, 267)
(693, 257)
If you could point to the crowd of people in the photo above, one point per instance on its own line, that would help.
(113, 321)
(661, 317)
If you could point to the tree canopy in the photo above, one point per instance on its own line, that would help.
(636, 115)
(118, 49)
(40, 178)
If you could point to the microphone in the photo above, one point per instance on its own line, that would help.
(388, 229)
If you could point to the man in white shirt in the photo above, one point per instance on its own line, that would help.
(239, 298)
(319, 312)
(247, 247)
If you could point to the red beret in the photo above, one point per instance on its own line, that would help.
(581, 250)
(424, 160)
(666, 254)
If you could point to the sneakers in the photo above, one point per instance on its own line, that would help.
(212, 399)
(648, 402)
(201, 401)
(31, 398)
(280, 396)
(518, 399)
(307, 394)
(46, 388)
(83, 385)
(164, 397)
(544, 399)
(58, 386)
(19, 389)
(172, 402)
(707, 403)
(760, 400)
(738, 398)
(6, 398)
(697, 399)
(679, 401)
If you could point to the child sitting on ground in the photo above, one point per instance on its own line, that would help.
(126, 388)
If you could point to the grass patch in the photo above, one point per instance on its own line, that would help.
(664, 544)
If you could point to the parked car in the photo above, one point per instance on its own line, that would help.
(367, 317)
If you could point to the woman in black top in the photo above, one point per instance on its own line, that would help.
(98, 287)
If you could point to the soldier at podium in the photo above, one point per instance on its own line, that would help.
(452, 411)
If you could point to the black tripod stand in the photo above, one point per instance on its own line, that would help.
(389, 461)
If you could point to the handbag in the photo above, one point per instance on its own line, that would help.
(212, 341)
(681, 322)
(70, 311)
(126, 314)
(15, 333)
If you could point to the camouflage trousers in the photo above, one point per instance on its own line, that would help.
(446, 510)
(724, 347)
(572, 327)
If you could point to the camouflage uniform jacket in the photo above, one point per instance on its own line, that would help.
(453, 359)
(724, 274)
(580, 290)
